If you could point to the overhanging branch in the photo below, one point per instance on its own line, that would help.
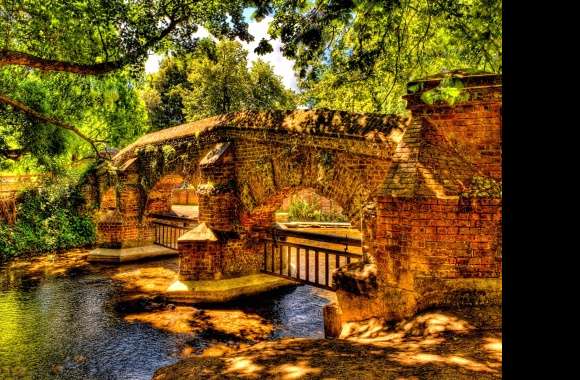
(46, 119)
(11, 57)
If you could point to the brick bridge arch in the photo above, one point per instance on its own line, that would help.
(425, 187)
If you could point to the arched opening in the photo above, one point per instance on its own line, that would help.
(305, 210)
(309, 238)
(172, 208)
(174, 195)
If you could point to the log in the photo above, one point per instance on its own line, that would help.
(332, 320)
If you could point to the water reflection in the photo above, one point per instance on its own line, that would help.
(66, 326)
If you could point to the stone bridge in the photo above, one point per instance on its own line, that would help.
(425, 189)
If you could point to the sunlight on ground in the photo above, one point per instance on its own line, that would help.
(147, 280)
(234, 324)
(175, 321)
(295, 371)
(51, 264)
(242, 366)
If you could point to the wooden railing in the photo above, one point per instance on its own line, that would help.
(167, 234)
(307, 263)
(170, 228)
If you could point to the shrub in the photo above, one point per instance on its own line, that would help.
(48, 219)
(301, 210)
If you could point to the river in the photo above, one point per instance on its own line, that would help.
(58, 320)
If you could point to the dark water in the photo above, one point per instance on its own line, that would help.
(69, 321)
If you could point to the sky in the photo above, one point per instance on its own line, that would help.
(282, 66)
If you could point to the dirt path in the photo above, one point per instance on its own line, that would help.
(435, 345)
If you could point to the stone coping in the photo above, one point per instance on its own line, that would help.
(225, 290)
(122, 255)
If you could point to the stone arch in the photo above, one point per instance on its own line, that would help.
(159, 198)
(263, 182)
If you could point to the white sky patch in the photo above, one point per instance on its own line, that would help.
(282, 65)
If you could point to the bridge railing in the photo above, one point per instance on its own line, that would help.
(310, 263)
(169, 228)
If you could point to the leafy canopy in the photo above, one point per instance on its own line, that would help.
(359, 55)
(212, 81)
(41, 110)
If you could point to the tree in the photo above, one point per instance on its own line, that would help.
(359, 55)
(267, 89)
(106, 108)
(162, 93)
(93, 37)
(220, 82)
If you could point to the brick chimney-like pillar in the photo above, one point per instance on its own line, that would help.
(473, 126)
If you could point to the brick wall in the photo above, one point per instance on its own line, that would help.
(473, 127)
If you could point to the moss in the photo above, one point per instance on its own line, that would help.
(246, 197)
(483, 187)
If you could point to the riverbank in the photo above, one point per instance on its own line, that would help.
(433, 345)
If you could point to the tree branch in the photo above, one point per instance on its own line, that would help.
(11, 57)
(46, 119)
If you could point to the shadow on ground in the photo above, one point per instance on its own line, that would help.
(433, 345)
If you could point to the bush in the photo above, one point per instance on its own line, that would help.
(48, 219)
(301, 210)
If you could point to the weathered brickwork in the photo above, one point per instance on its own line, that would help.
(207, 260)
(473, 127)
(431, 230)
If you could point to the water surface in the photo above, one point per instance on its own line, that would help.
(66, 326)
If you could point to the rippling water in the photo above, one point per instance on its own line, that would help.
(66, 327)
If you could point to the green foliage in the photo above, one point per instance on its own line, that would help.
(104, 108)
(48, 219)
(301, 210)
(162, 93)
(359, 55)
(483, 187)
(212, 80)
(449, 90)
(70, 40)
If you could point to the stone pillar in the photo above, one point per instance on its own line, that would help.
(200, 254)
(203, 255)
(332, 320)
(120, 224)
(218, 203)
(433, 245)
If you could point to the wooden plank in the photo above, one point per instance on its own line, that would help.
(272, 259)
(281, 250)
(326, 268)
(265, 254)
(330, 250)
(316, 265)
(319, 237)
(298, 263)
(307, 265)
(289, 260)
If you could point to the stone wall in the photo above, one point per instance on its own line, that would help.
(434, 237)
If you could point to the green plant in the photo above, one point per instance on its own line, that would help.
(450, 90)
(48, 219)
(300, 210)
(483, 187)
